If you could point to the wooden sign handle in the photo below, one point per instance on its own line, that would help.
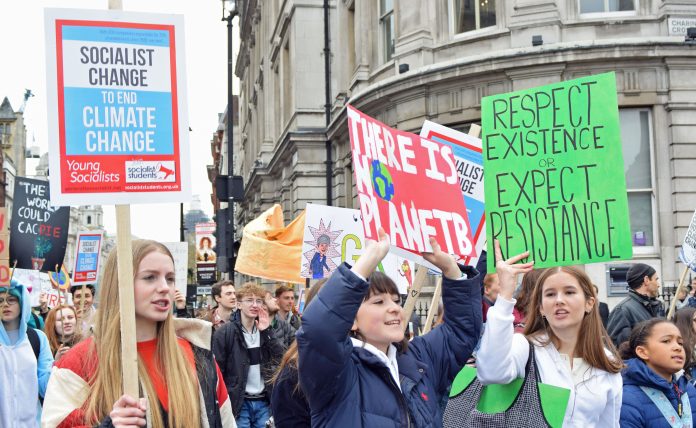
(673, 305)
(433, 306)
(414, 292)
(126, 301)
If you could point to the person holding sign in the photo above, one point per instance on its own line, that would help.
(181, 382)
(571, 348)
(61, 330)
(355, 367)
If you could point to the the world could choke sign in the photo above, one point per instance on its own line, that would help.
(409, 186)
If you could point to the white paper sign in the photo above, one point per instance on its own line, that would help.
(687, 254)
(334, 235)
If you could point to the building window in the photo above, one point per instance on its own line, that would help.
(636, 138)
(470, 15)
(605, 6)
(386, 23)
(89, 219)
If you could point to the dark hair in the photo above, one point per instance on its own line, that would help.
(283, 288)
(74, 288)
(379, 284)
(216, 289)
(639, 337)
(524, 296)
(684, 320)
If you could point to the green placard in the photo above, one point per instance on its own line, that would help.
(554, 169)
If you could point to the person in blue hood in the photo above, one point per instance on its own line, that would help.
(23, 375)
(655, 393)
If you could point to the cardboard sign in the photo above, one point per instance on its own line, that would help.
(687, 253)
(409, 186)
(469, 162)
(38, 230)
(87, 257)
(180, 253)
(5, 274)
(116, 107)
(335, 235)
(554, 173)
(37, 282)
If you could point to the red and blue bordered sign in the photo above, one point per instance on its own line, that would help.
(116, 107)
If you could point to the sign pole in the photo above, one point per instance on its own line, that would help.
(673, 305)
(414, 292)
(433, 306)
(126, 301)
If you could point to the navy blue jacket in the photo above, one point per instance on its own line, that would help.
(350, 387)
(637, 410)
(288, 402)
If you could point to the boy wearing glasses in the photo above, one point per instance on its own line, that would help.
(247, 353)
(23, 373)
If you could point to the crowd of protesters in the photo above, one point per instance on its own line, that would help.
(253, 361)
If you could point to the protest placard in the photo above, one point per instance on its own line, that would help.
(409, 186)
(205, 253)
(87, 257)
(180, 252)
(38, 230)
(687, 253)
(555, 180)
(469, 162)
(117, 107)
(39, 282)
(5, 274)
(335, 235)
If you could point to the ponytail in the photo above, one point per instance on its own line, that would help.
(639, 337)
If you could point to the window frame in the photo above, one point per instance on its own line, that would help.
(644, 250)
(606, 13)
(387, 54)
(477, 19)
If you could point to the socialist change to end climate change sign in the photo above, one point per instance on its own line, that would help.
(116, 107)
(555, 182)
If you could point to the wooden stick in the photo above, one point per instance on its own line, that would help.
(126, 301)
(673, 305)
(433, 306)
(414, 292)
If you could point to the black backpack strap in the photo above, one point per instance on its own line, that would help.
(34, 341)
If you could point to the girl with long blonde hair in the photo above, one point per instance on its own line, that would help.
(179, 379)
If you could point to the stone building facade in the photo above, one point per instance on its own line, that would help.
(405, 62)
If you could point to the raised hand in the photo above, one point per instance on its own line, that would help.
(508, 270)
(263, 322)
(179, 299)
(443, 261)
(373, 254)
